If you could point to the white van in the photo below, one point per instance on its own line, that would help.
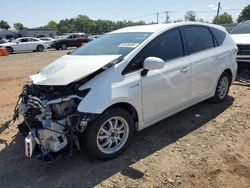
(123, 82)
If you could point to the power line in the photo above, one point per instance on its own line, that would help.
(179, 12)
(144, 16)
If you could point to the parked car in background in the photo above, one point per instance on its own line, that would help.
(25, 44)
(71, 40)
(1, 40)
(123, 82)
(48, 40)
(241, 36)
(4, 40)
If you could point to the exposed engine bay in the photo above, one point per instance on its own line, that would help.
(51, 120)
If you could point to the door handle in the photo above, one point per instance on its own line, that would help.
(185, 69)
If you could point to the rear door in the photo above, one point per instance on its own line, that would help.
(167, 89)
(200, 45)
(33, 43)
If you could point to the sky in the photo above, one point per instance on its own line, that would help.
(35, 13)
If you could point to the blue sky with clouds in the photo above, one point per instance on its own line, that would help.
(34, 13)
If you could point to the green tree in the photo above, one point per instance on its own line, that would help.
(18, 26)
(51, 25)
(178, 20)
(224, 18)
(245, 14)
(4, 25)
(190, 16)
(83, 23)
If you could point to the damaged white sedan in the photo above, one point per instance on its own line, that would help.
(100, 94)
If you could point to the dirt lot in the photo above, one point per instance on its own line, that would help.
(207, 145)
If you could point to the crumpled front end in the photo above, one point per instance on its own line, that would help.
(51, 123)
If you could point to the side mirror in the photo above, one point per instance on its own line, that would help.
(153, 63)
(17, 42)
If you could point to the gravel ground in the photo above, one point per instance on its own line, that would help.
(207, 145)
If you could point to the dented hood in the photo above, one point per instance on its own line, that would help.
(70, 68)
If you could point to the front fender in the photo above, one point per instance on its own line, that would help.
(97, 102)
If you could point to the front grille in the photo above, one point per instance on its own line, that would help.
(244, 49)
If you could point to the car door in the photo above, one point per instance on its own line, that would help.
(167, 89)
(72, 41)
(33, 43)
(200, 44)
(22, 44)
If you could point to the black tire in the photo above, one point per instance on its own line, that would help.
(57, 48)
(94, 128)
(63, 46)
(39, 48)
(218, 96)
(10, 50)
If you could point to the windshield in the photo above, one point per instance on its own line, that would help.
(113, 44)
(243, 28)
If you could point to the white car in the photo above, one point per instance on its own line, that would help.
(123, 82)
(48, 40)
(241, 36)
(25, 44)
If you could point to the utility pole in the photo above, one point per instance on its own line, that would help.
(167, 16)
(218, 13)
(157, 17)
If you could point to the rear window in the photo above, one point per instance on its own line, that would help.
(198, 39)
(219, 36)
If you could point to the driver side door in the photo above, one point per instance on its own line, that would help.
(72, 41)
(168, 89)
(22, 45)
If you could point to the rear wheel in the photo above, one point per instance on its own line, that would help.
(9, 49)
(63, 46)
(39, 48)
(222, 88)
(109, 135)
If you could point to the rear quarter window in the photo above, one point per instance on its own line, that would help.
(219, 36)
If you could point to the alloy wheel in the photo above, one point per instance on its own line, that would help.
(112, 135)
(223, 87)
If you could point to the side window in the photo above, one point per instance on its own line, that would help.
(198, 39)
(219, 35)
(32, 40)
(167, 46)
(83, 36)
(23, 40)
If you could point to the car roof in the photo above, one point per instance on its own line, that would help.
(153, 28)
(27, 38)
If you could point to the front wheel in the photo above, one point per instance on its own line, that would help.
(10, 50)
(222, 88)
(109, 135)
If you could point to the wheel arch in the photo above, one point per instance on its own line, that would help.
(130, 108)
(230, 74)
(10, 48)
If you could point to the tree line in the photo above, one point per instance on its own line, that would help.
(83, 23)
